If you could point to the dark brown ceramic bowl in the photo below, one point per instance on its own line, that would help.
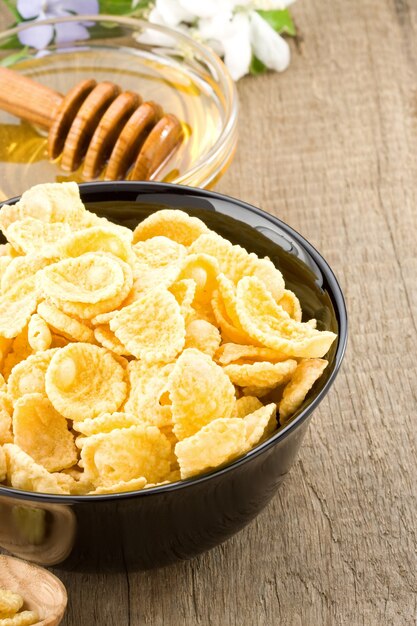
(155, 527)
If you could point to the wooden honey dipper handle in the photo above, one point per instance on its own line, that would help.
(25, 98)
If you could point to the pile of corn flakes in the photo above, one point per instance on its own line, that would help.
(133, 359)
(10, 610)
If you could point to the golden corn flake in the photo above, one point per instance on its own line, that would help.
(136, 484)
(230, 352)
(40, 431)
(199, 391)
(32, 236)
(158, 252)
(258, 392)
(304, 377)
(89, 278)
(83, 381)
(39, 335)
(87, 311)
(19, 352)
(24, 473)
(229, 332)
(28, 376)
(203, 269)
(260, 424)
(246, 405)
(203, 336)
(3, 475)
(265, 321)
(53, 202)
(261, 373)
(105, 337)
(105, 423)
(22, 269)
(291, 304)
(172, 223)
(16, 308)
(146, 400)
(96, 239)
(152, 328)
(215, 444)
(25, 618)
(10, 603)
(184, 293)
(64, 324)
(125, 454)
(6, 409)
(236, 262)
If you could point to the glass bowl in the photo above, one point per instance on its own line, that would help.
(186, 78)
(176, 521)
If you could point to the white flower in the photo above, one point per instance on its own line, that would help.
(233, 28)
(268, 45)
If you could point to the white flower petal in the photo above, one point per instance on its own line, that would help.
(215, 27)
(237, 47)
(205, 8)
(36, 36)
(268, 46)
(173, 13)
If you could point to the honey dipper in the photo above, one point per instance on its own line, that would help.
(97, 123)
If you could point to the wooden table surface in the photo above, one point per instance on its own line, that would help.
(331, 148)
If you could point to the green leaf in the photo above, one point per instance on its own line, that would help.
(281, 21)
(11, 43)
(257, 67)
(11, 59)
(122, 7)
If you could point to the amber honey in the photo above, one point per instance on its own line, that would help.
(196, 103)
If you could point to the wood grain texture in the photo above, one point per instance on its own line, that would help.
(330, 147)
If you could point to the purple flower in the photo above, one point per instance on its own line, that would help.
(40, 36)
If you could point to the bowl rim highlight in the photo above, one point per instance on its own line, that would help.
(335, 294)
(221, 152)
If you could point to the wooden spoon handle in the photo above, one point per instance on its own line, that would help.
(24, 97)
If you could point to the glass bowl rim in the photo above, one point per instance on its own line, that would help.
(338, 301)
(227, 85)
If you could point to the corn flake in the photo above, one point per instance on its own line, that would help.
(158, 252)
(40, 431)
(261, 373)
(184, 293)
(236, 262)
(246, 405)
(230, 352)
(260, 424)
(52, 202)
(136, 484)
(265, 321)
(215, 444)
(10, 603)
(64, 324)
(96, 239)
(33, 236)
(304, 377)
(22, 270)
(89, 278)
(125, 454)
(172, 223)
(24, 473)
(28, 376)
(199, 391)
(83, 381)
(105, 337)
(152, 328)
(16, 308)
(203, 336)
(291, 305)
(105, 423)
(25, 618)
